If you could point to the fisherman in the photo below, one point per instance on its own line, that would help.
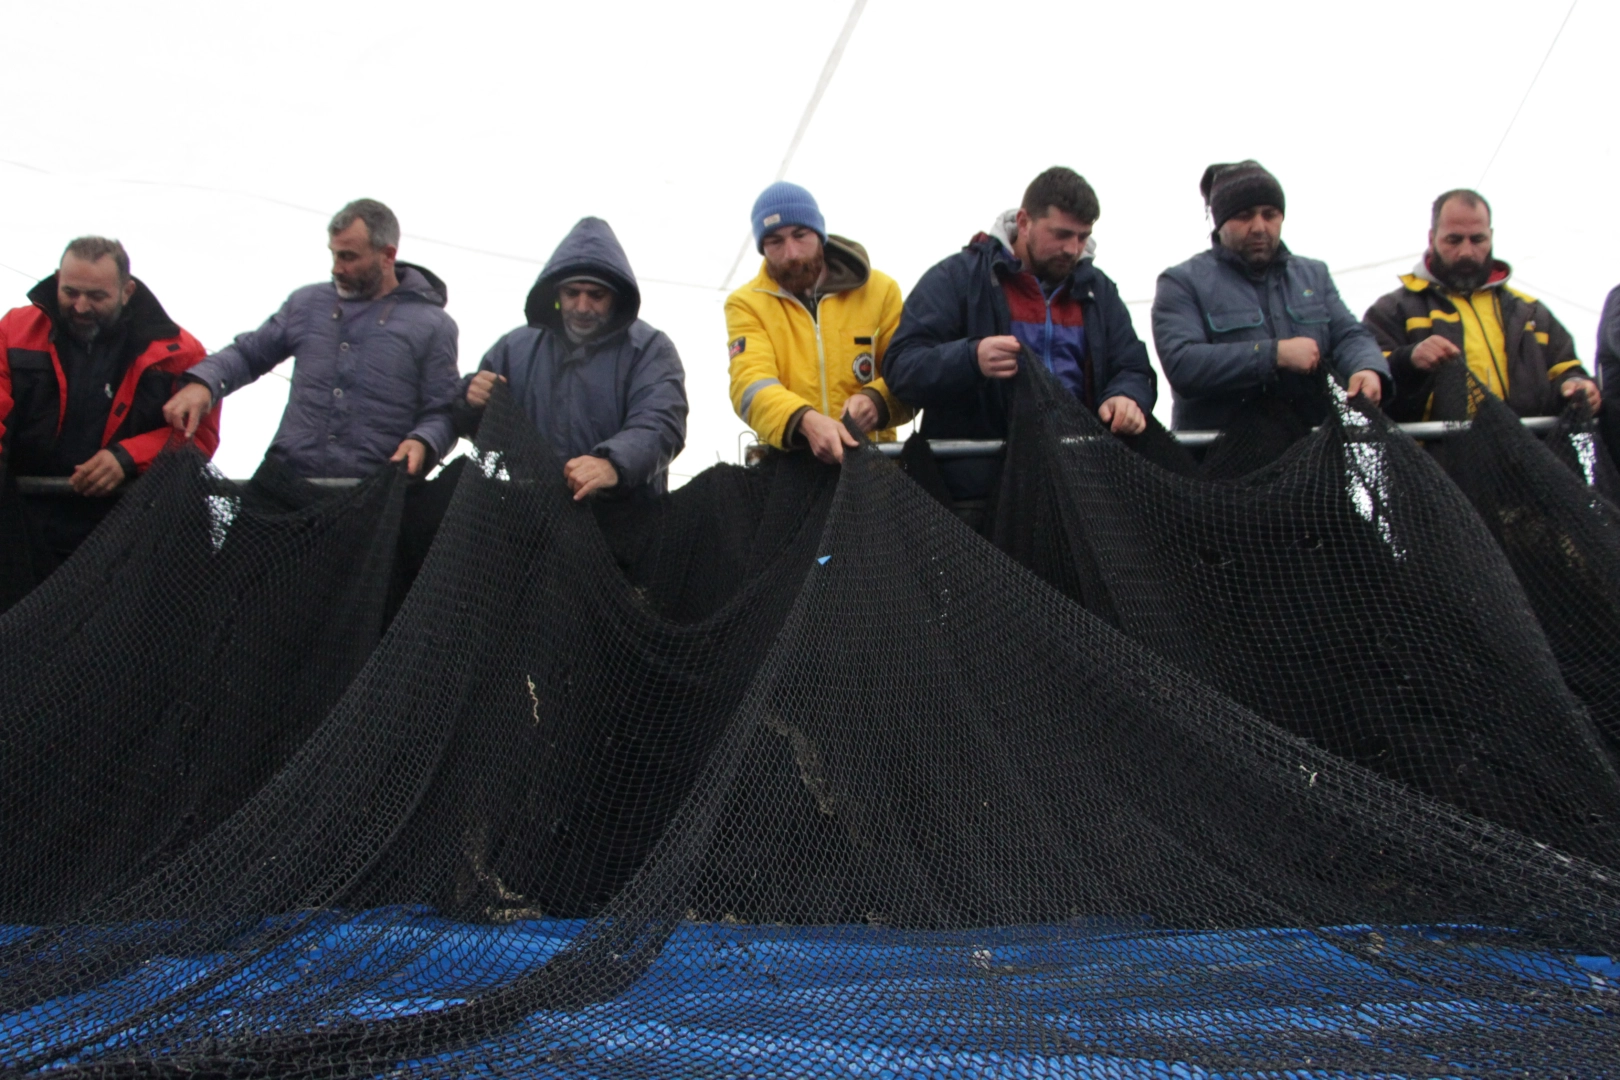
(809, 334)
(84, 372)
(1249, 318)
(606, 388)
(374, 376)
(1608, 347)
(1029, 283)
(1457, 304)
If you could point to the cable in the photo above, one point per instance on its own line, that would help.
(1503, 141)
(827, 71)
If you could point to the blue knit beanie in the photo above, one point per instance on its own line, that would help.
(785, 204)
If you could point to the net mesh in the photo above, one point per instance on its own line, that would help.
(792, 773)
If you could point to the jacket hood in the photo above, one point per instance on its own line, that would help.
(1422, 277)
(590, 248)
(421, 282)
(1005, 230)
(143, 315)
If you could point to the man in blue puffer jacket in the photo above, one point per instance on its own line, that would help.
(607, 389)
(1031, 284)
(1249, 317)
(375, 373)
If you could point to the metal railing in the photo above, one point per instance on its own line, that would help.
(942, 448)
(1428, 429)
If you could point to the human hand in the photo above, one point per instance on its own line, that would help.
(413, 452)
(480, 386)
(998, 356)
(1594, 397)
(863, 410)
(1300, 354)
(826, 437)
(185, 410)
(589, 474)
(1122, 415)
(1366, 383)
(98, 476)
(1433, 350)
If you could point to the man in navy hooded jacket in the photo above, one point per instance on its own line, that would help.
(607, 389)
(1031, 285)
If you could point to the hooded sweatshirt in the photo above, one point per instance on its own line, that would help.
(620, 396)
(367, 374)
(1510, 341)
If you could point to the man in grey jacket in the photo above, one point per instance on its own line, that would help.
(374, 377)
(1249, 317)
(607, 389)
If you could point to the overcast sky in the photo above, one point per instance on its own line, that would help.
(216, 140)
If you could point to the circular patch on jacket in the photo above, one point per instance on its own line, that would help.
(865, 367)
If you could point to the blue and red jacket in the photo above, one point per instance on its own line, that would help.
(1083, 334)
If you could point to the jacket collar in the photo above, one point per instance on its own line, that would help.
(1422, 278)
(143, 319)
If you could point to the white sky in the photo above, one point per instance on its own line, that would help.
(215, 140)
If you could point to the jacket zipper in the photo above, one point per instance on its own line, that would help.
(821, 352)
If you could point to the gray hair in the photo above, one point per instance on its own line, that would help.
(381, 224)
(93, 248)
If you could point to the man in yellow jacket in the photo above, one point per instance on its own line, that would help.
(808, 334)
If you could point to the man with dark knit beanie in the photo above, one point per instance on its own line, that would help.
(1249, 318)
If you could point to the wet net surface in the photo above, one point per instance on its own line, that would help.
(794, 774)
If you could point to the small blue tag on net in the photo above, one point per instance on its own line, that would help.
(823, 559)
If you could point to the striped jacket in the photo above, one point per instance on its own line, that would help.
(1537, 353)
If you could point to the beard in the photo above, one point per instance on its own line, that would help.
(86, 328)
(1052, 269)
(1256, 250)
(581, 326)
(1463, 276)
(798, 276)
(359, 286)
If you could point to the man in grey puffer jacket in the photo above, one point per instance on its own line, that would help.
(606, 389)
(374, 378)
(1249, 318)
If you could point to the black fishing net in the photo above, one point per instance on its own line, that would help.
(855, 796)
(1544, 500)
(163, 674)
(1347, 592)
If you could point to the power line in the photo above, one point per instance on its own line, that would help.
(827, 71)
(1503, 141)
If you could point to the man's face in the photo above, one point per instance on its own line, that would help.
(357, 267)
(90, 295)
(1460, 243)
(1052, 243)
(793, 255)
(1253, 235)
(586, 308)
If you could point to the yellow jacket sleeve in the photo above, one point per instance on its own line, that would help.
(757, 393)
(889, 321)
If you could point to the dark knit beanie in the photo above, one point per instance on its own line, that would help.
(1231, 189)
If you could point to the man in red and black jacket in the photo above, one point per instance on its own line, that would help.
(85, 370)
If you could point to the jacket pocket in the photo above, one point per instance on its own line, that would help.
(1309, 311)
(1230, 322)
